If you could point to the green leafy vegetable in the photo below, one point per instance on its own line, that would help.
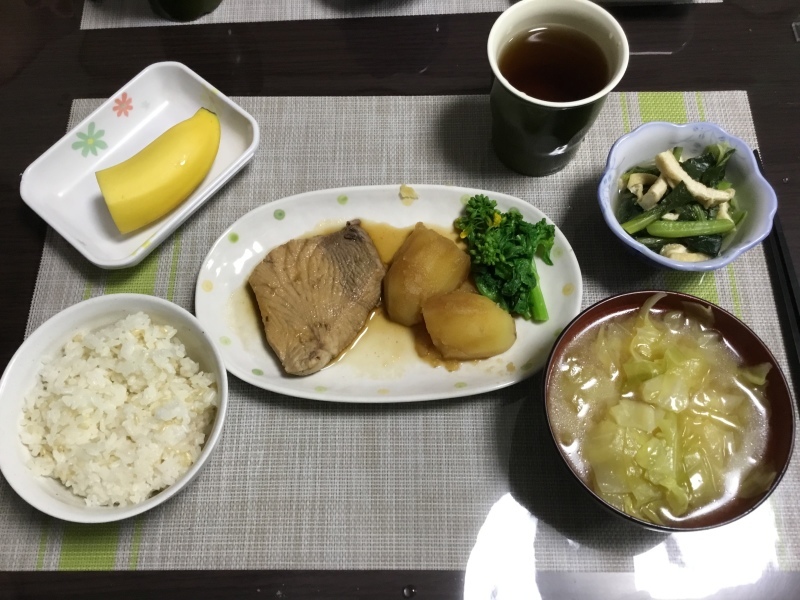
(709, 167)
(709, 245)
(653, 243)
(502, 247)
(679, 229)
(675, 199)
(628, 207)
(689, 223)
(738, 215)
(692, 212)
(650, 169)
(705, 244)
(698, 165)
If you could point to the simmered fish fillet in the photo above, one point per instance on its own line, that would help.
(315, 295)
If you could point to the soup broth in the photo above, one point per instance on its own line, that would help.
(660, 417)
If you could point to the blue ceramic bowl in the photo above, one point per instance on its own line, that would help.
(753, 193)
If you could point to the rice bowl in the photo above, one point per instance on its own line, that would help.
(119, 413)
(103, 414)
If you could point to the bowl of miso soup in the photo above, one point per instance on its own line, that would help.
(670, 411)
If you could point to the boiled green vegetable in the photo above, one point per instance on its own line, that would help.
(679, 217)
(705, 244)
(502, 247)
(678, 197)
(679, 229)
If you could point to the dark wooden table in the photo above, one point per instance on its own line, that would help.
(46, 61)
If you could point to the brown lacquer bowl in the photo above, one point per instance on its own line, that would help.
(780, 423)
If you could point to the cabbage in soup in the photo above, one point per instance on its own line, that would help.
(660, 416)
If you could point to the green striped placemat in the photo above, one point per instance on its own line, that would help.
(296, 484)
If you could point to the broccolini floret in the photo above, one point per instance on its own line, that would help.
(502, 247)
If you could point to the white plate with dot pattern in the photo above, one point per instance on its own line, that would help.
(383, 365)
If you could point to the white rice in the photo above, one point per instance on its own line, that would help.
(119, 413)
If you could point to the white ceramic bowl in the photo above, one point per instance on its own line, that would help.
(754, 194)
(49, 495)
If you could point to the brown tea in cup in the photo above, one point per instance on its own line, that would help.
(555, 63)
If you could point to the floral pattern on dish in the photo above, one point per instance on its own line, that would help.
(90, 142)
(123, 105)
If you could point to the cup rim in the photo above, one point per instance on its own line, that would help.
(603, 15)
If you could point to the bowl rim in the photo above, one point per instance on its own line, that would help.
(548, 370)
(752, 166)
(123, 303)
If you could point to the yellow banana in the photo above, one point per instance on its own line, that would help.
(163, 174)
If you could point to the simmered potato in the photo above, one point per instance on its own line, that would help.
(426, 265)
(467, 326)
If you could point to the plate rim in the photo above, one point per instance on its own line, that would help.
(377, 399)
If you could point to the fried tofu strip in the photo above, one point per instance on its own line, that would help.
(672, 170)
(654, 194)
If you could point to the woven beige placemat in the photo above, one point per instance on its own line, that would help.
(307, 485)
(106, 14)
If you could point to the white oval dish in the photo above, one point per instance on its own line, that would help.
(390, 377)
(61, 187)
(47, 494)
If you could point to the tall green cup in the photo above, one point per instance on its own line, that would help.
(537, 137)
(183, 10)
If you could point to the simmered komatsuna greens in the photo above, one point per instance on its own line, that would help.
(682, 210)
(661, 416)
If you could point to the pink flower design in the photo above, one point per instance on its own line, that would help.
(123, 105)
